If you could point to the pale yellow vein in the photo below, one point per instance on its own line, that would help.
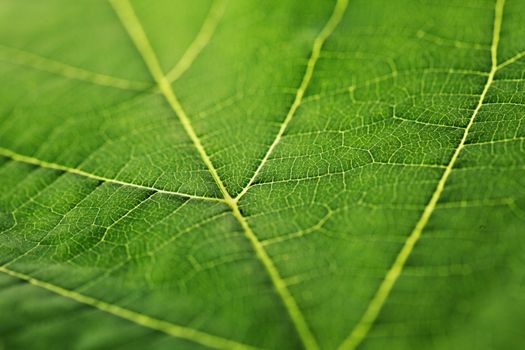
(44, 164)
(327, 30)
(129, 20)
(138, 36)
(435, 39)
(20, 57)
(201, 40)
(360, 331)
(134, 316)
(511, 60)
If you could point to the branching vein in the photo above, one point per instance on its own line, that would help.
(201, 40)
(327, 30)
(129, 20)
(511, 60)
(373, 309)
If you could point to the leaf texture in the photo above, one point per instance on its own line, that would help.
(236, 174)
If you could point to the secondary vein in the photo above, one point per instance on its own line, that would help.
(134, 316)
(511, 60)
(201, 40)
(319, 41)
(49, 165)
(20, 57)
(360, 331)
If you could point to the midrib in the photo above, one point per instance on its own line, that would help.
(131, 23)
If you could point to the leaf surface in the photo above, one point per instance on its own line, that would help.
(277, 175)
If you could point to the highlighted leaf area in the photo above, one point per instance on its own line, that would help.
(241, 174)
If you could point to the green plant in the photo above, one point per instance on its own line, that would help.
(255, 174)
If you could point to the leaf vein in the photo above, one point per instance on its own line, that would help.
(360, 331)
(331, 24)
(131, 23)
(134, 316)
(49, 165)
(201, 40)
(20, 57)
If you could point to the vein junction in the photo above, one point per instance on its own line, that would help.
(163, 81)
(138, 36)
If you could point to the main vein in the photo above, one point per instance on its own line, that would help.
(327, 30)
(133, 316)
(49, 165)
(373, 309)
(129, 20)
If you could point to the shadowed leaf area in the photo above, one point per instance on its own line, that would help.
(242, 174)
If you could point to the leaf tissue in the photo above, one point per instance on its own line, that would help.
(242, 174)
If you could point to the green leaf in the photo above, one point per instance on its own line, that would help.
(251, 174)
